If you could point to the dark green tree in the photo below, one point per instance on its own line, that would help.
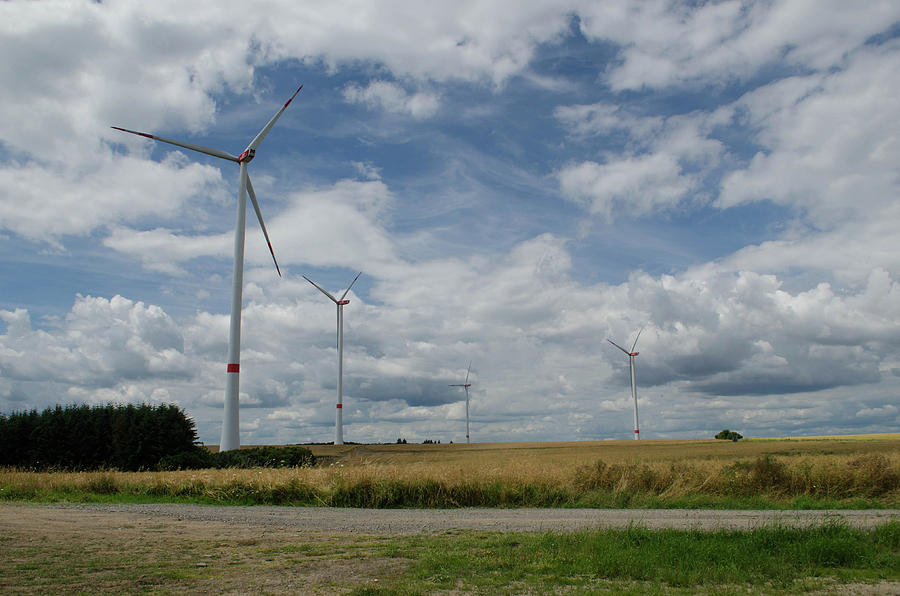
(728, 435)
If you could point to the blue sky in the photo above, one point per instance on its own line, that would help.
(516, 184)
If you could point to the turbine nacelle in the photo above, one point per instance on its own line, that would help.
(247, 156)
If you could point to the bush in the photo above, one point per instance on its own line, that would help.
(195, 459)
(728, 435)
(291, 456)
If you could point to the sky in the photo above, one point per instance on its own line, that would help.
(517, 183)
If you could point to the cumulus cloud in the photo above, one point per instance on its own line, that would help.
(823, 147)
(102, 342)
(668, 43)
(707, 332)
(393, 98)
(660, 163)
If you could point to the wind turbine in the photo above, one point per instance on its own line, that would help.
(231, 438)
(340, 302)
(466, 386)
(631, 355)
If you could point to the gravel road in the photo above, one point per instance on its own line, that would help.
(425, 521)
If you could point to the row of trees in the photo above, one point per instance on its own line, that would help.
(123, 437)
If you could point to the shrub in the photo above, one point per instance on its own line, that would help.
(291, 456)
(195, 459)
(729, 435)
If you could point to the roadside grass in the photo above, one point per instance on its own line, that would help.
(821, 474)
(777, 559)
(172, 556)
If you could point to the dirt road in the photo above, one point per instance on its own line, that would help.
(416, 521)
(195, 549)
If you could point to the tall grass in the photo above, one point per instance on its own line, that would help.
(512, 477)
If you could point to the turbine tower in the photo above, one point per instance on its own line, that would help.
(466, 386)
(231, 438)
(340, 302)
(631, 355)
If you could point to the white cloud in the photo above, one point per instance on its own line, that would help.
(825, 141)
(393, 98)
(637, 185)
(662, 165)
(668, 43)
(45, 203)
(101, 343)
(533, 333)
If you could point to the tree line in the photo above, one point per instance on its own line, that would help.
(123, 437)
(83, 437)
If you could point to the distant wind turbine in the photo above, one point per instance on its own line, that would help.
(340, 302)
(466, 386)
(231, 438)
(631, 355)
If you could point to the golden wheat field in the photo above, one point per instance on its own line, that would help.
(837, 470)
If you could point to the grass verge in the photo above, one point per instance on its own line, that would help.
(63, 555)
(775, 559)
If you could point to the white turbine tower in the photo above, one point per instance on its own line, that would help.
(231, 438)
(340, 302)
(631, 355)
(466, 386)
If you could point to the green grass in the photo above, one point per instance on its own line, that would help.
(777, 559)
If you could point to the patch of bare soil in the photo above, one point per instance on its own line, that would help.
(56, 550)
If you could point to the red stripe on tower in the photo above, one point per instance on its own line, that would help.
(637, 432)
(234, 368)
(340, 406)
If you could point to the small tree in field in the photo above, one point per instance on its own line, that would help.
(728, 435)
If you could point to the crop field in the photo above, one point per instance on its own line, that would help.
(822, 472)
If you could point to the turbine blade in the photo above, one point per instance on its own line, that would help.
(635, 339)
(191, 146)
(321, 289)
(618, 346)
(262, 134)
(344, 295)
(261, 222)
(467, 372)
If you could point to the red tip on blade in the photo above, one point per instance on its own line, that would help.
(288, 102)
(277, 268)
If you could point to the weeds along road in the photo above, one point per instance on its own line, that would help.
(425, 521)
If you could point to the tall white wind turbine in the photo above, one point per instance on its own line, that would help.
(231, 438)
(631, 355)
(466, 386)
(340, 302)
